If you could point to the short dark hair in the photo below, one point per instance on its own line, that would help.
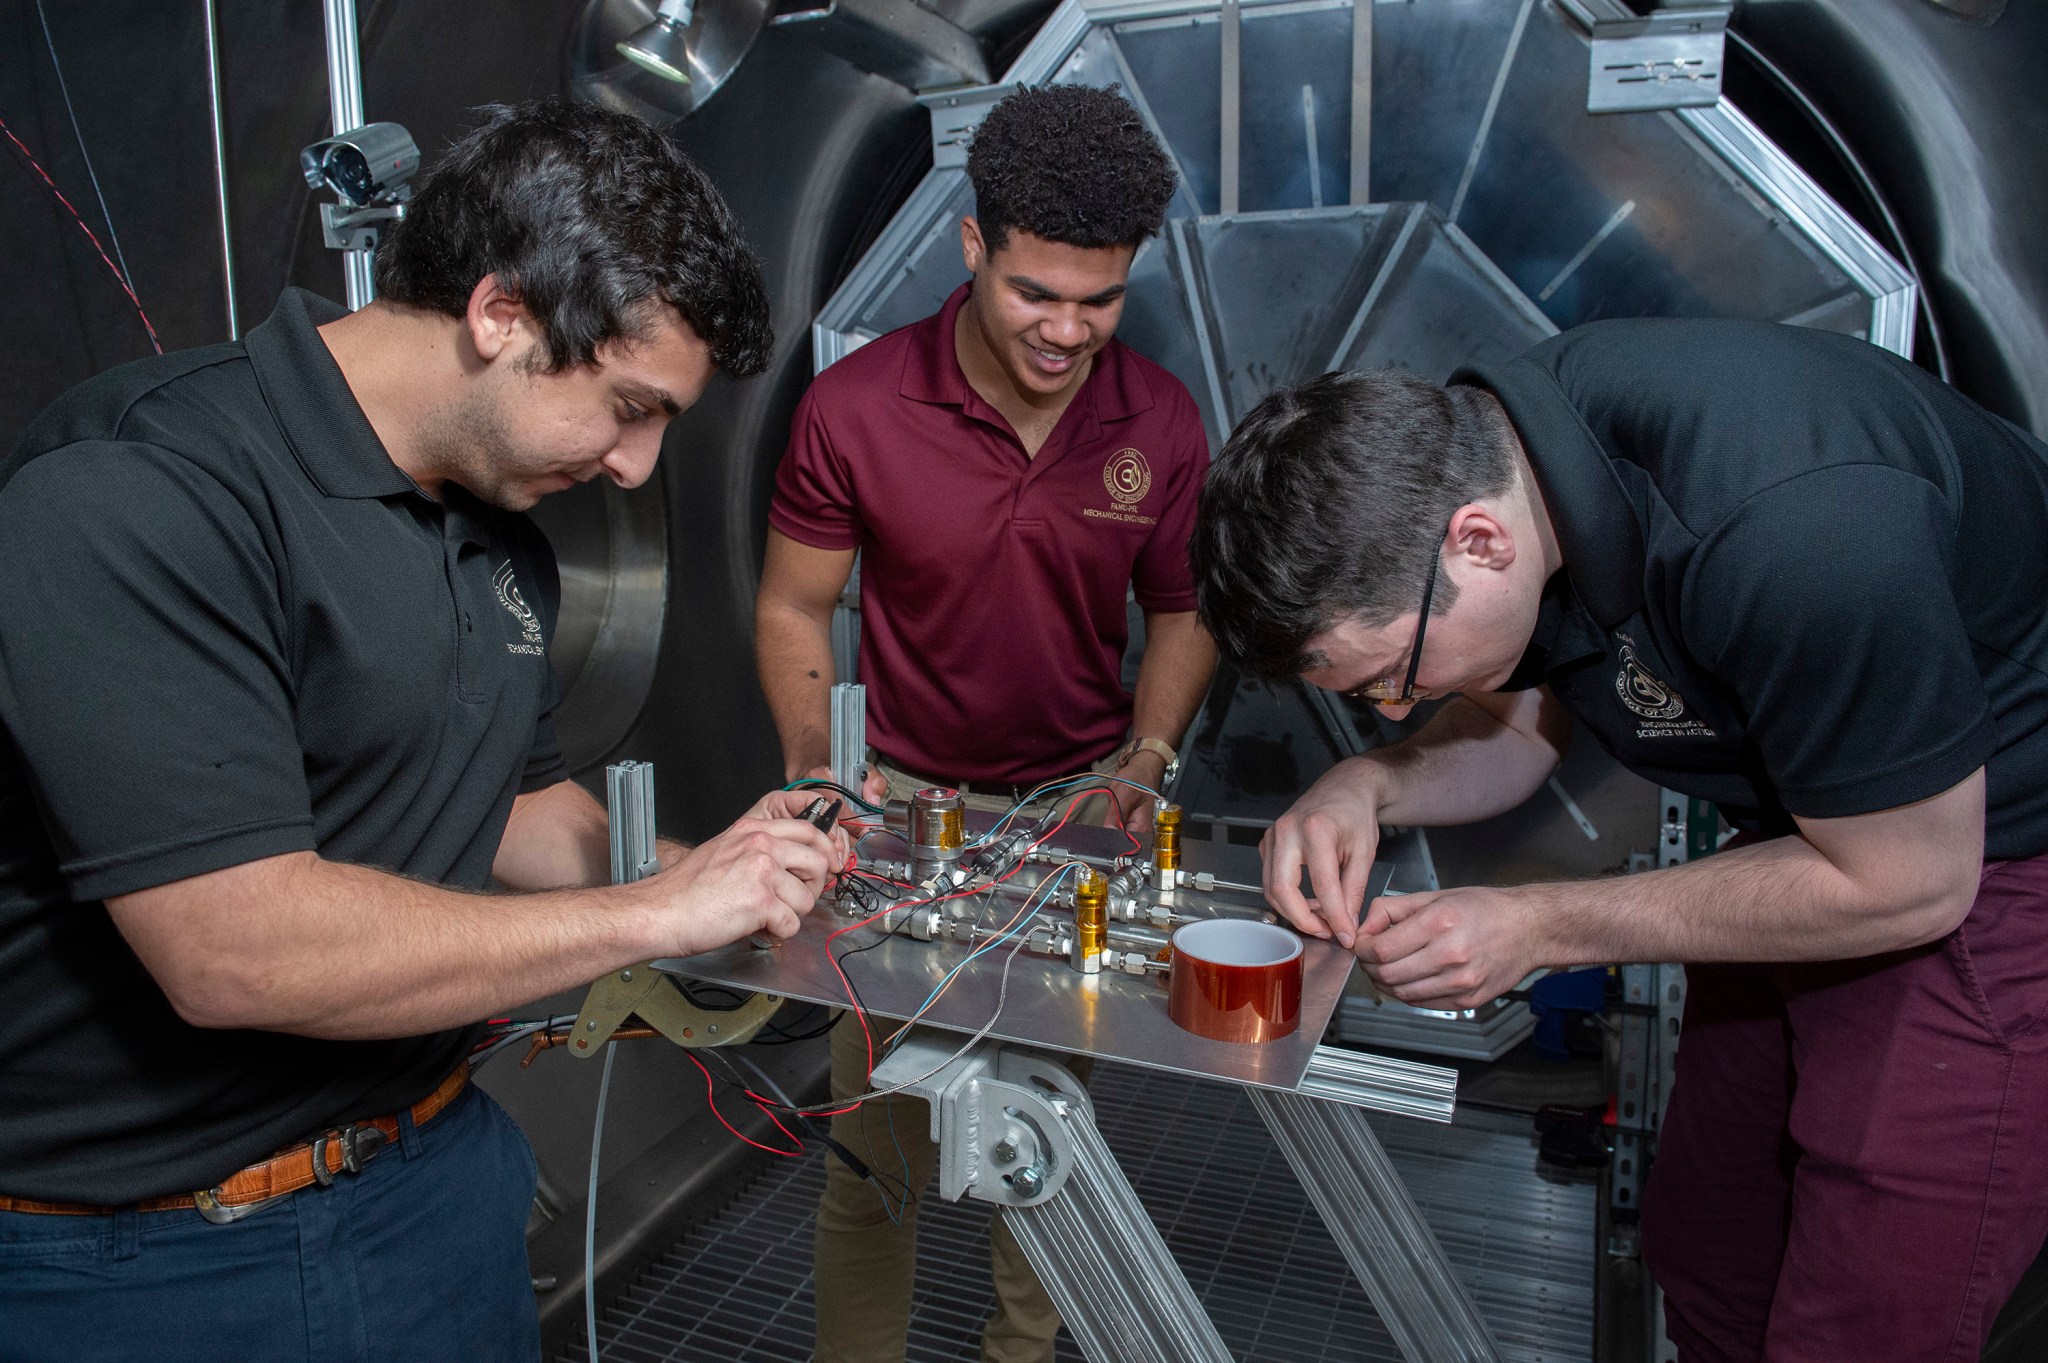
(1069, 163)
(589, 216)
(1326, 503)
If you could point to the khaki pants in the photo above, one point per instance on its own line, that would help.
(1092, 810)
(867, 1263)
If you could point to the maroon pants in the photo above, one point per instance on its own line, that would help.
(1854, 1164)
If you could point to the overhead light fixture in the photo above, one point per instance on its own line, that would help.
(660, 62)
(663, 47)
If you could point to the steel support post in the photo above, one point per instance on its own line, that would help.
(345, 110)
(1373, 1220)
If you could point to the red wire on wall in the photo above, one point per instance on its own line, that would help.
(119, 278)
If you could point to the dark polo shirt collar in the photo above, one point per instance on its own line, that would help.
(1112, 391)
(305, 391)
(322, 422)
(1597, 527)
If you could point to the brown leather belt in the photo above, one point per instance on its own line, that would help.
(344, 1149)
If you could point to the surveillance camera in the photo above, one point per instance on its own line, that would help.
(363, 165)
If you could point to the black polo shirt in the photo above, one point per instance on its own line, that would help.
(1802, 577)
(232, 628)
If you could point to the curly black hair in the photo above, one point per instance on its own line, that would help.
(587, 215)
(1069, 163)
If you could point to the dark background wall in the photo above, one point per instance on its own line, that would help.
(1943, 106)
(136, 71)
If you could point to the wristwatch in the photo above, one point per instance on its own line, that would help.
(1152, 745)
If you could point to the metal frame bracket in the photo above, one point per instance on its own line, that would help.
(1000, 1117)
(1670, 58)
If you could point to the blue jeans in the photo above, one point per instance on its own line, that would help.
(422, 1255)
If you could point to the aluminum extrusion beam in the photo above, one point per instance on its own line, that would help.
(1015, 1128)
(849, 734)
(1102, 1262)
(1390, 1248)
(1402, 1087)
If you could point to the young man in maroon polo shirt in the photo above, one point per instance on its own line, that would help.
(1007, 472)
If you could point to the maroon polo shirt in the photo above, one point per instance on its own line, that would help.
(991, 584)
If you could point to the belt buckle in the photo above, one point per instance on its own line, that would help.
(360, 1143)
(225, 1213)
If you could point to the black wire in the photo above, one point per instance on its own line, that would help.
(786, 1037)
(815, 783)
(818, 1128)
(691, 990)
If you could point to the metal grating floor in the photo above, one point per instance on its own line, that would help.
(738, 1290)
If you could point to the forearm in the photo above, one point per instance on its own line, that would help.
(1173, 676)
(555, 839)
(560, 838)
(1780, 900)
(363, 954)
(1465, 765)
(1844, 888)
(793, 650)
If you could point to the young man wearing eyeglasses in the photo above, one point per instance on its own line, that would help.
(1777, 569)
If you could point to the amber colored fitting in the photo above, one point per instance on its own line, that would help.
(1091, 922)
(1166, 845)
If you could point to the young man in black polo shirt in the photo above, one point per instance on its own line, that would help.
(1778, 569)
(277, 709)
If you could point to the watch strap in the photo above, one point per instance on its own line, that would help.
(1163, 749)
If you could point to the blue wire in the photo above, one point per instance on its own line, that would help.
(1041, 892)
(62, 88)
(1047, 789)
(896, 1217)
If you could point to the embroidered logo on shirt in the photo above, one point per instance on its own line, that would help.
(529, 623)
(1127, 476)
(1652, 700)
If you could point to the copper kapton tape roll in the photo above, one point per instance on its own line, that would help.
(1235, 980)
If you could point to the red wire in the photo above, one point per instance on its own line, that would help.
(867, 1034)
(859, 1013)
(711, 1098)
(119, 278)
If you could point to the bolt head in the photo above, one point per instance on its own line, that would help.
(1027, 1181)
(1005, 1151)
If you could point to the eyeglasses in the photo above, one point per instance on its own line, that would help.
(1382, 692)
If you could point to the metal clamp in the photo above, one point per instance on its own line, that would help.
(643, 990)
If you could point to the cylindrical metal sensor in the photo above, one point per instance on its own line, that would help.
(1166, 845)
(1091, 922)
(938, 822)
(938, 830)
